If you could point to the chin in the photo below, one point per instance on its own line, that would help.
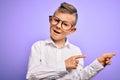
(55, 38)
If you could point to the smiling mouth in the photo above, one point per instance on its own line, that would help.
(56, 32)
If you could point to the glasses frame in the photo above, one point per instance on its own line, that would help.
(51, 17)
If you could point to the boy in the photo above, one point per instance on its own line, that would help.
(56, 58)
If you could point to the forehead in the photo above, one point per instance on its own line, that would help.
(65, 16)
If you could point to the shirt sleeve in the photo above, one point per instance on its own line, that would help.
(84, 73)
(90, 71)
(37, 69)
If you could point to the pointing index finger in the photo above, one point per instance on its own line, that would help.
(79, 56)
(109, 55)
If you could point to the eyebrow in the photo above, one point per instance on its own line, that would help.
(62, 20)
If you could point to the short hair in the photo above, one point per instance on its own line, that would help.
(68, 8)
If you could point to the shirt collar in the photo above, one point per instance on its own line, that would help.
(50, 41)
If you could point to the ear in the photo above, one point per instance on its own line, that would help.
(72, 30)
(50, 18)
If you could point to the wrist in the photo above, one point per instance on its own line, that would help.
(101, 61)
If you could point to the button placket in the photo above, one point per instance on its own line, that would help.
(58, 57)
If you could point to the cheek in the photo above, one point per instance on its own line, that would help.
(52, 26)
(64, 34)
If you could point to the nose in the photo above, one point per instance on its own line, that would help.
(58, 26)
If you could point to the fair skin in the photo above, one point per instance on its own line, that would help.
(59, 37)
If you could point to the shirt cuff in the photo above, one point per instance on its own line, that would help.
(97, 65)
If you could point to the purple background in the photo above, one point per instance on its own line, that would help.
(22, 22)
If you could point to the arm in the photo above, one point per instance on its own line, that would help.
(91, 70)
(79, 72)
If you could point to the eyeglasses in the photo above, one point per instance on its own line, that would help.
(64, 24)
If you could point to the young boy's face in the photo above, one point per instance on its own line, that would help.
(63, 27)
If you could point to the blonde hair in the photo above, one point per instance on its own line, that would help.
(68, 8)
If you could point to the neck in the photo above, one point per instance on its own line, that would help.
(60, 43)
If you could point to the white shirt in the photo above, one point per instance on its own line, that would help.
(47, 62)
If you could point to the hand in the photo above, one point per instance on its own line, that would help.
(105, 59)
(72, 62)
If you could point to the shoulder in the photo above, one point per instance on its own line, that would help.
(74, 47)
(38, 44)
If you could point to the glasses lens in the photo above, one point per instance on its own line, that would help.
(55, 20)
(66, 25)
